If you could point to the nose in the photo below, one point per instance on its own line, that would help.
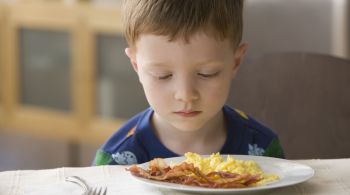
(186, 91)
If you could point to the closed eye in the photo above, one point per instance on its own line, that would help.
(208, 75)
(164, 77)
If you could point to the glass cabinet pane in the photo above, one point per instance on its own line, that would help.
(45, 58)
(119, 93)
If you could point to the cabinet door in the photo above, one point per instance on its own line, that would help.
(119, 93)
(2, 25)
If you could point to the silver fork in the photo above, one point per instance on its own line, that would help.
(87, 190)
(97, 191)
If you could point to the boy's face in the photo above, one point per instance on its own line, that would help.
(186, 84)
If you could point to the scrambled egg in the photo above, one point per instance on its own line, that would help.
(216, 163)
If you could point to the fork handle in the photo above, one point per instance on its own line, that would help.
(79, 181)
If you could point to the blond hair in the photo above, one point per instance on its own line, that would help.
(183, 18)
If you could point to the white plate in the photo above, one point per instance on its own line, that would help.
(290, 173)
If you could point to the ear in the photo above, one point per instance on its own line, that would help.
(239, 55)
(131, 56)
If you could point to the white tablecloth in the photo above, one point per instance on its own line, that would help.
(331, 177)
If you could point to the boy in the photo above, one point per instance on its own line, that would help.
(185, 53)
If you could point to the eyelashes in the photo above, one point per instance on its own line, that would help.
(164, 77)
(203, 75)
(208, 75)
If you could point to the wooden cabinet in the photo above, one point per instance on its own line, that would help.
(63, 71)
(2, 14)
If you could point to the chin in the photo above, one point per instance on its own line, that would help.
(188, 127)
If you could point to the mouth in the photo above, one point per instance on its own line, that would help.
(189, 113)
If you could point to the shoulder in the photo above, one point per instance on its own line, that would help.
(124, 146)
(258, 138)
(238, 116)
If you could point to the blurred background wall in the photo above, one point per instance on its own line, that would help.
(316, 26)
(66, 85)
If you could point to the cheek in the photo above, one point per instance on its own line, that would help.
(218, 94)
(218, 91)
(155, 93)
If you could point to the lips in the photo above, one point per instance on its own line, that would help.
(188, 113)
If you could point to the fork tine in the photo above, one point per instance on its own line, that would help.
(95, 191)
(99, 191)
(92, 191)
(104, 191)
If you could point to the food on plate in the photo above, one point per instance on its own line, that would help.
(216, 163)
(210, 172)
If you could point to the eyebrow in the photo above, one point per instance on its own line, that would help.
(155, 64)
(162, 64)
(209, 62)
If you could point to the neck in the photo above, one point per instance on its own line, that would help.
(208, 139)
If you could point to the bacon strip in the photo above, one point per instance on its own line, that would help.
(187, 174)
